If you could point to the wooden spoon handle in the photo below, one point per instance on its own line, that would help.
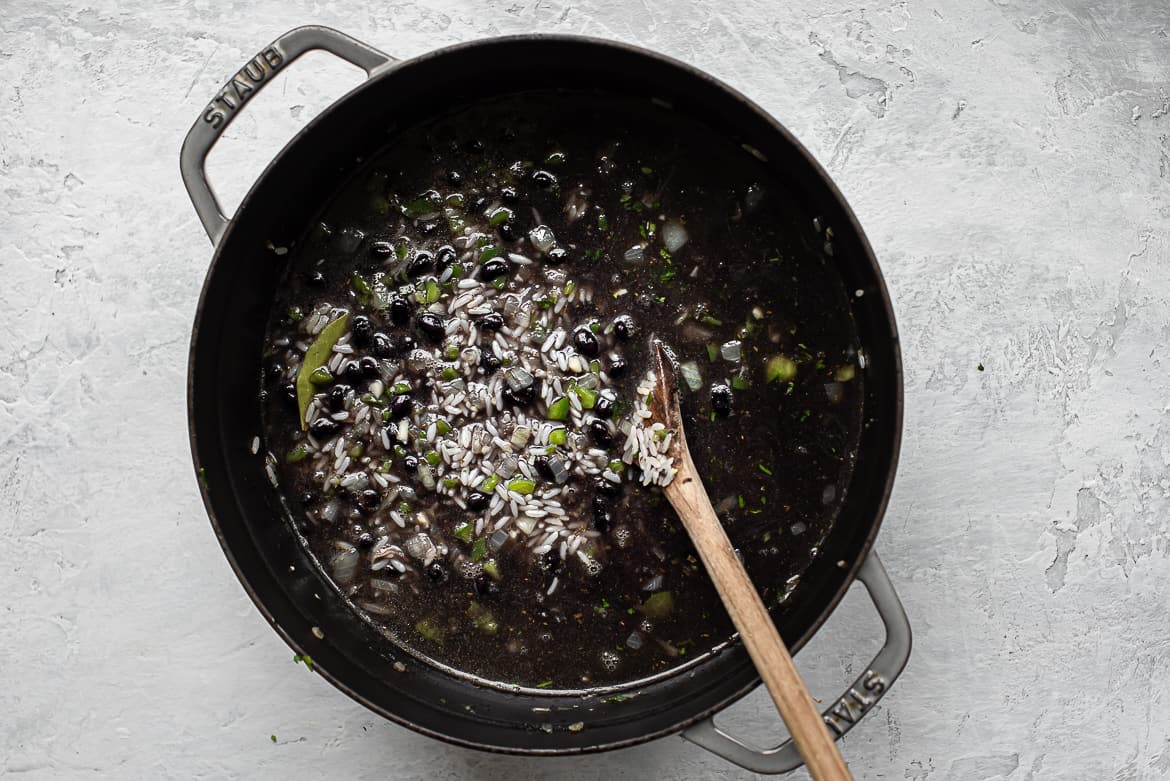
(756, 629)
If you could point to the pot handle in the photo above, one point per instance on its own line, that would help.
(850, 707)
(249, 80)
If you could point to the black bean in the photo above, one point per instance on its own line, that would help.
(617, 366)
(432, 325)
(352, 372)
(491, 322)
(410, 463)
(429, 227)
(289, 393)
(420, 264)
(384, 346)
(362, 537)
(585, 341)
(606, 487)
(444, 257)
(400, 310)
(520, 397)
(337, 396)
(551, 561)
(381, 249)
(509, 195)
(315, 278)
(506, 231)
(308, 497)
(623, 327)
(605, 405)
(368, 500)
(477, 500)
(544, 179)
(601, 434)
(556, 256)
(544, 468)
(487, 359)
(454, 177)
(362, 330)
(437, 571)
(722, 399)
(402, 406)
(602, 513)
(324, 427)
(494, 268)
(369, 366)
(276, 371)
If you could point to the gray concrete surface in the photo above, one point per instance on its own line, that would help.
(1011, 162)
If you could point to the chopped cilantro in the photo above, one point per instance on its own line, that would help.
(765, 470)
(308, 660)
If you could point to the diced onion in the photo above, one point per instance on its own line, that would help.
(330, 510)
(690, 374)
(576, 206)
(507, 466)
(517, 378)
(426, 475)
(829, 495)
(344, 563)
(542, 238)
(731, 351)
(674, 236)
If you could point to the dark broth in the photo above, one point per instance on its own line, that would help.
(773, 433)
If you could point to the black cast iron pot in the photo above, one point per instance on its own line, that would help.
(224, 408)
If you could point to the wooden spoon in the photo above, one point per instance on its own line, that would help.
(743, 603)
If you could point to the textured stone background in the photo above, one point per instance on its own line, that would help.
(1010, 160)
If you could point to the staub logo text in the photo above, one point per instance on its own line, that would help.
(241, 86)
(859, 699)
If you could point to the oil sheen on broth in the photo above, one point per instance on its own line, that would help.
(451, 365)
